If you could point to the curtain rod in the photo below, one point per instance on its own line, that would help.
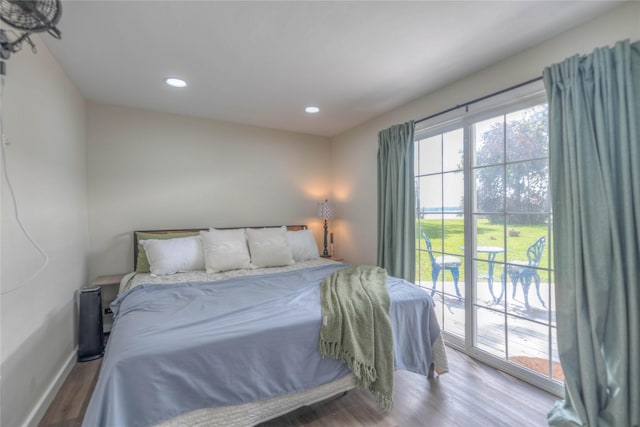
(466, 104)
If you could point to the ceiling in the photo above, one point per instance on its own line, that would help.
(260, 63)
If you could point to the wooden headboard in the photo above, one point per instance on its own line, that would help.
(195, 230)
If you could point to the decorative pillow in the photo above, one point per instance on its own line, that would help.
(171, 256)
(303, 245)
(269, 247)
(225, 250)
(142, 263)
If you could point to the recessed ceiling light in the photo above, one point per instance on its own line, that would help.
(312, 110)
(175, 82)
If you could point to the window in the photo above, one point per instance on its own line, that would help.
(483, 230)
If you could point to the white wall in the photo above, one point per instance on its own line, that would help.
(44, 118)
(353, 154)
(155, 170)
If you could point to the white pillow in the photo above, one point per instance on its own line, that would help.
(225, 250)
(269, 247)
(169, 256)
(303, 245)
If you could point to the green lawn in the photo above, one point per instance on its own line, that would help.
(487, 235)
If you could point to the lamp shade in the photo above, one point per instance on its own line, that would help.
(325, 210)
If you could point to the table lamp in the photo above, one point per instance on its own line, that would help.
(325, 211)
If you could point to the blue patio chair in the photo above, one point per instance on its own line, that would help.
(524, 271)
(440, 263)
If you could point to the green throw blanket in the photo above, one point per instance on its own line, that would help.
(356, 327)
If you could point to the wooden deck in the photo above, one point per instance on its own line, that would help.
(529, 338)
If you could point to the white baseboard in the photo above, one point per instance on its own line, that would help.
(49, 394)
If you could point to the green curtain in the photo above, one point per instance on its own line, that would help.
(396, 201)
(594, 120)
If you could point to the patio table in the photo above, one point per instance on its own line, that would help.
(491, 252)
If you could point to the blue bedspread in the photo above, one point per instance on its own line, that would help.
(177, 348)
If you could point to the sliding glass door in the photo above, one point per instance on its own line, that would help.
(483, 229)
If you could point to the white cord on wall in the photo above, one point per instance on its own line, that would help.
(15, 203)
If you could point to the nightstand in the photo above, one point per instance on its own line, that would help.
(109, 289)
(336, 258)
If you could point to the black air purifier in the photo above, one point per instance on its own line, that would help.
(90, 334)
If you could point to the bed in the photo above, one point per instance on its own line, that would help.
(239, 346)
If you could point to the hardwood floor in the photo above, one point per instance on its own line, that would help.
(69, 405)
(471, 394)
